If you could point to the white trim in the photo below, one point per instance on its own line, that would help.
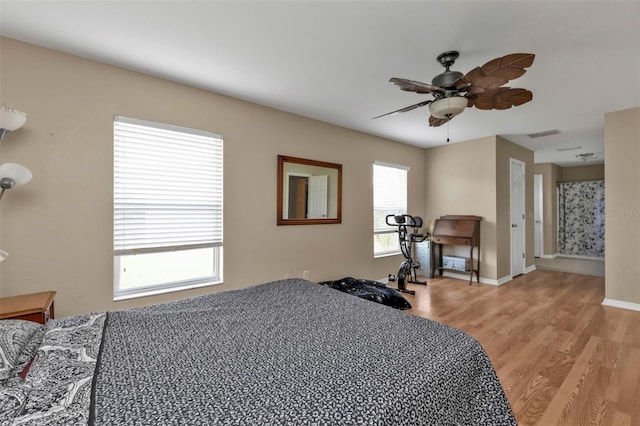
(549, 256)
(397, 166)
(165, 126)
(388, 200)
(193, 221)
(483, 280)
(285, 207)
(524, 211)
(538, 198)
(529, 268)
(153, 292)
(573, 256)
(621, 304)
(448, 274)
(387, 254)
(502, 280)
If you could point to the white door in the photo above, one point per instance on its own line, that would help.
(517, 217)
(538, 228)
(317, 197)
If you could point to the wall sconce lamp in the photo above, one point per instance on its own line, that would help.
(12, 174)
(10, 120)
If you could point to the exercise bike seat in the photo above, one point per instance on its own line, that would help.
(417, 224)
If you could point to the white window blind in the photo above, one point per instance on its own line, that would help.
(389, 197)
(167, 188)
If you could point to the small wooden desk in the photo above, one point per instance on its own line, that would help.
(459, 230)
(36, 307)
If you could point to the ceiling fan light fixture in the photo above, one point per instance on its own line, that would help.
(448, 107)
(483, 85)
(586, 156)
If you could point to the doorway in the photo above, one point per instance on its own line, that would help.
(297, 201)
(538, 213)
(307, 196)
(517, 201)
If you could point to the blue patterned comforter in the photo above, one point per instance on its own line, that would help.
(283, 353)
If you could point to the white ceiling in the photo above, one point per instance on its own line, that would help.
(331, 60)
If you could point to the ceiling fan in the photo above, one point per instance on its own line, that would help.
(481, 87)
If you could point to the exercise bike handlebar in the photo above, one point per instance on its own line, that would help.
(402, 221)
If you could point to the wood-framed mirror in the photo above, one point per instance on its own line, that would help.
(309, 191)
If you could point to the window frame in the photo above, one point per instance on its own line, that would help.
(214, 224)
(390, 230)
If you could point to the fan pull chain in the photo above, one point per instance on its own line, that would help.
(448, 131)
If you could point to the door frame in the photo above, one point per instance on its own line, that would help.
(538, 214)
(285, 201)
(521, 222)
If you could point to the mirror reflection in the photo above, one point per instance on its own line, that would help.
(309, 191)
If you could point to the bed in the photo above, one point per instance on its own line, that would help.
(288, 352)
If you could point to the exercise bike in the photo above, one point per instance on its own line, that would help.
(407, 271)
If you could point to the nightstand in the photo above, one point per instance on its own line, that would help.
(36, 307)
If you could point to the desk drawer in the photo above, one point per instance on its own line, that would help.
(456, 241)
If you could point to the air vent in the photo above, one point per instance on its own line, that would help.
(545, 133)
(573, 148)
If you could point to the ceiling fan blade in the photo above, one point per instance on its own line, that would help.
(405, 109)
(497, 72)
(415, 86)
(510, 66)
(501, 98)
(435, 122)
(479, 81)
(521, 96)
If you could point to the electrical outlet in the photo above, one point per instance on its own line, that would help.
(305, 275)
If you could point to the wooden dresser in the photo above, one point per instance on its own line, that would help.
(37, 307)
(459, 230)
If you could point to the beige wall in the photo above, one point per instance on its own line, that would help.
(473, 178)
(550, 176)
(622, 225)
(461, 179)
(505, 151)
(580, 173)
(58, 228)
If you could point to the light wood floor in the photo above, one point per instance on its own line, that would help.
(562, 357)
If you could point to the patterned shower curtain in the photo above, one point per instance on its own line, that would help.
(581, 218)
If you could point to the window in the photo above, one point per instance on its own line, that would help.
(167, 208)
(389, 197)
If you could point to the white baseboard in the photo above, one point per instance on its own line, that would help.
(621, 304)
(483, 280)
(464, 277)
(572, 256)
(549, 256)
(504, 280)
(530, 268)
